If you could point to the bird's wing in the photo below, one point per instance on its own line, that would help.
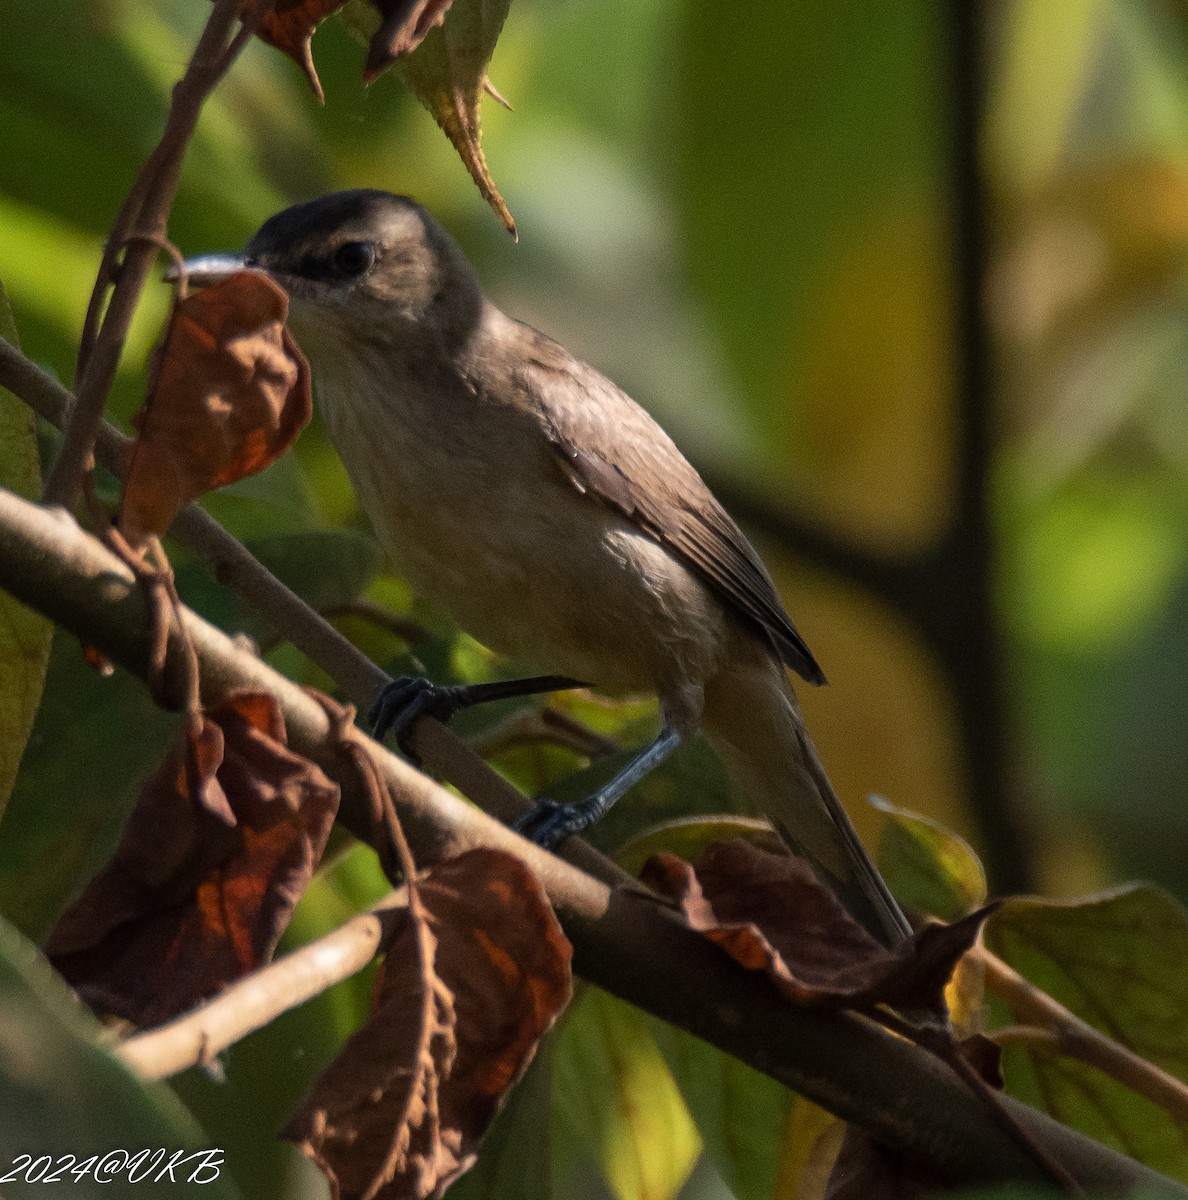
(611, 449)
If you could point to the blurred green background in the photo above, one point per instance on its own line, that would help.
(962, 446)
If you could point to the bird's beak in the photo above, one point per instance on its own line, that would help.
(209, 268)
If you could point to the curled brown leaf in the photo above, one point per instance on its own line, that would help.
(401, 1111)
(231, 392)
(222, 843)
(770, 913)
(289, 26)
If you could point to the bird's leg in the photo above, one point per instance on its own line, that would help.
(402, 701)
(550, 821)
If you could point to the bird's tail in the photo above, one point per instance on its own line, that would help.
(754, 722)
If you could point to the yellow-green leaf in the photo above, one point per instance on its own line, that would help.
(928, 867)
(614, 1091)
(24, 635)
(1117, 961)
(744, 1118)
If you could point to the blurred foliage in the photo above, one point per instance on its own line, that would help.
(25, 636)
(63, 1095)
(746, 221)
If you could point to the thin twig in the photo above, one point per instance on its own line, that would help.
(1078, 1039)
(259, 998)
(143, 217)
(546, 726)
(406, 629)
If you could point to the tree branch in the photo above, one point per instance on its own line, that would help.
(635, 948)
(1063, 1032)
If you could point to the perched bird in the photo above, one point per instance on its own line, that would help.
(549, 514)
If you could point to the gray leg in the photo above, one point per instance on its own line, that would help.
(549, 822)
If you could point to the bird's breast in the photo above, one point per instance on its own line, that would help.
(470, 504)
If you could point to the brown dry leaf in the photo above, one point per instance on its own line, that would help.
(401, 1111)
(230, 393)
(215, 856)
(289, 26)
(770, 913)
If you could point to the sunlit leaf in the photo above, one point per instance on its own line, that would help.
(619, 1102)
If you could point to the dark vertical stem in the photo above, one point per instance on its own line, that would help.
(975, 651)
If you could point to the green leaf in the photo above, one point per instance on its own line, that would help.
(62, 1094)
(448, 74)
(742, 1116)
(687, 837)
(25, 636)
(928, 867)
(517, 1153)
(80, 777)
(324, 567)
(1117, 962)
(617, 1100)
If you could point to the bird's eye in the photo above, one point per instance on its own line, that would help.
(354, 258)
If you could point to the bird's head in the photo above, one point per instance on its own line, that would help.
(361, 266)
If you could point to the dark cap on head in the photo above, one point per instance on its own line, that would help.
(358, 263)
(302, 240)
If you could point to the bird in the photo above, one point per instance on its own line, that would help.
(551, 517)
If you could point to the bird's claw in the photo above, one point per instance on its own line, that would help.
(549, 822)
(403, 701)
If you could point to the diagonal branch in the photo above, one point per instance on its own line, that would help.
(636, 949)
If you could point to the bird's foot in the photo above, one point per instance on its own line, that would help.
(549, 821)
(403, 701)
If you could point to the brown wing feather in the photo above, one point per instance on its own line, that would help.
(612, 450)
